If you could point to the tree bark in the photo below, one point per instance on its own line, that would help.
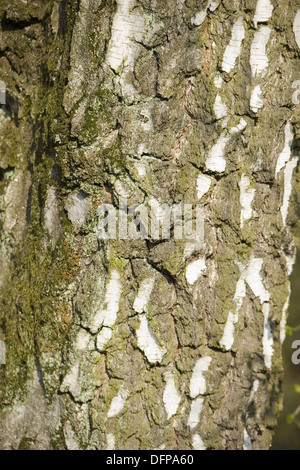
(146, 344)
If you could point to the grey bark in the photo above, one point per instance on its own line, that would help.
(174, 102)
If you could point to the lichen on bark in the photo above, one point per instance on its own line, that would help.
(164, 102)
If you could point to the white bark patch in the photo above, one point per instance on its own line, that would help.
(229, 330)
(246, 198)
(111, 442)
(107, 314)
(290, 260)
(213, 5)
(103, 338)
(254, 390)
(254, 279)
(296, 28)
(195, 270)
(288, 176)
(128, 26)
(216, 158)
(77, 207)
(196, 408)
(220, 109)
(199, 18)
(171, 398)
(158, 211)
(197, 442)
(258, 58)
(256, 101)
(228, 336)
(82, 340)
(218, 81)
(267, 338)
(284, 318)
(295, 96)
(240, 293)
(148, 343)
(233, 50)
(263, 13)
(143, 297)
(203, 185)
(255, 282)
(247, 441)
(286, 154)
(198, 381)
(141, 169)
(252, 275)
(289, 164)
(239, 128)
(118, 403)
(2, 352)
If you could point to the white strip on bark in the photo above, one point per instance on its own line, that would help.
(233, 50)
(107, 314)
(198, 380)
(263, 13)
(142, 299)
(171, 398)
(196, 408)
(246, 198)
(198, 443)
(267, 338)
(296, 27)
(286, 153)
(203, 185)
(259, 60)
(195, 270)
(148, 343)
(256, 101)
(118, 403)
(284, 318)
(288, 177)
(128, 25)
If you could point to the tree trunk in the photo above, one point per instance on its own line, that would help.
(146, 344)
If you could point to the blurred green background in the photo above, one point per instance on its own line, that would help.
(287, 436)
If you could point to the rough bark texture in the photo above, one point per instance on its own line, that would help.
(156, 100)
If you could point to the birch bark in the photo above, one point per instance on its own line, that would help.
(142, 344)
